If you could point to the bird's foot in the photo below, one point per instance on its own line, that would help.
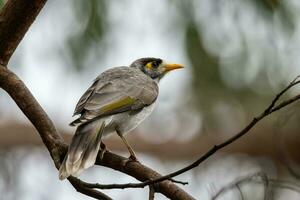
(131, 159)
(103, 149)
(102, 146)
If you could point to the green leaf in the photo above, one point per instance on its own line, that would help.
(1, 3)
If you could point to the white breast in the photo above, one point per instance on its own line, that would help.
(127, 122)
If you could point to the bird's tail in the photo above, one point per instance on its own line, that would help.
(83, 149)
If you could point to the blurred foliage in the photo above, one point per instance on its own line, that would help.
(9, 176)
(208, 86)
(1, 3)
(92, 15)
(269, 7)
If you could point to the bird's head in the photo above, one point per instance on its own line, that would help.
(156, 68)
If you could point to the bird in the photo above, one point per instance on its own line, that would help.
(118, 100)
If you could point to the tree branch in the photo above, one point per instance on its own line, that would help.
(151, 192)
(142, 173)
(80, 187)
(15, 18)
(34, 112)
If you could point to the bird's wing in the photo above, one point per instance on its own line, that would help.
(115, 92)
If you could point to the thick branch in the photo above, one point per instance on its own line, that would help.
(142, 173)
(78, 185)
(34, 112)
(15, 18)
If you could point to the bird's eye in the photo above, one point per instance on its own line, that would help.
(155, 64)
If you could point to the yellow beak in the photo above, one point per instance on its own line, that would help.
(170, 67)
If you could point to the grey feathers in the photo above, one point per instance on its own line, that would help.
(83, 149)
(116, 90)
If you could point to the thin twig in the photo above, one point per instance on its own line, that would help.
(31, 108)
(80, 187)
(179, 182)
(237, 182)
(240, 191)
(112, 186)
(151, 192)
(269, 110)
(277, 97)
(122, 186)
(264, 179)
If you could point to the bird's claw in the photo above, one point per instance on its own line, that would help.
(102, 150)
(133, 158)
(129, 160)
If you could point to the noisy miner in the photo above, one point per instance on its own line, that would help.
(117, 101)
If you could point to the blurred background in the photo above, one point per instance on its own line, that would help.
(238, 54)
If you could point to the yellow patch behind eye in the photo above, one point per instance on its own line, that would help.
(149, 65)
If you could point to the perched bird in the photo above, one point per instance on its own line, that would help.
(117, 101)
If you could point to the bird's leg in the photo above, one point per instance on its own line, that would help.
(99, 139)
(103, 150)
(132, 154)
(102, 146)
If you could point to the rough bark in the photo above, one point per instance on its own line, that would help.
(15, 18)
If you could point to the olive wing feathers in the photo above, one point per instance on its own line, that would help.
(117, 90)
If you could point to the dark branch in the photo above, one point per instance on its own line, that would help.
(80, 187)
(270, 109)
(34, 112)
(121, 186)
(240, 191)
(151, 192)
(141, 173)
(277, 97)
(15, 18)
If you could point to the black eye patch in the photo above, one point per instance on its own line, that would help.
(156, 63)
